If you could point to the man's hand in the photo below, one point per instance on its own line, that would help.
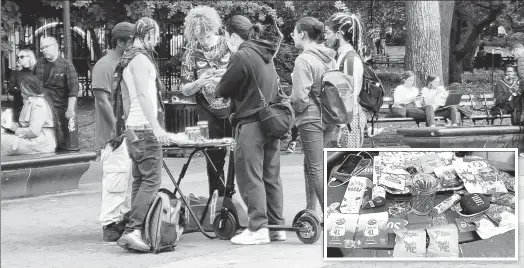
(69, 113)
(161, 135)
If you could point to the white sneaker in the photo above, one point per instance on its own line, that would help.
(277, 235)
(248, 237)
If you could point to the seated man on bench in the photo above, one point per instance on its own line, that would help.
(36, 131)
(505, 93)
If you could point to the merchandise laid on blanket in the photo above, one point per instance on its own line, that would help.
(420, 204)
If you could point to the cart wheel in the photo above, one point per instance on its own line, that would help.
(313, 229)
(229, 226)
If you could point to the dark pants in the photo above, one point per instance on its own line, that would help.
(294, 134)
(218, 129)
(506, 108)
(427, 113)
(146, 153)
(67, 139)
(257, 166)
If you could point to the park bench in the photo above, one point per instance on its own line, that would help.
(36, 174)
(480, 102)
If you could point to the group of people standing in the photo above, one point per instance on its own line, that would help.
(229, 70)
(44, 103)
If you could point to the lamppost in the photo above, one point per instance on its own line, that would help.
(68, 50)
(498, 49)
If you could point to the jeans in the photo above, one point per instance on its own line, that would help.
(257, 167)
(218, 129)
(146, 155)
(314, 138)
(428, 113)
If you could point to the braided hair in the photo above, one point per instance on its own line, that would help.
(351, 29)
(143, 27)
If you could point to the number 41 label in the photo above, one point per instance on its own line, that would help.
(338, 230)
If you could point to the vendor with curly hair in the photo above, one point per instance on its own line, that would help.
(205, 60)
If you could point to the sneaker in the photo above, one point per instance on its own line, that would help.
(292, 146)
(277, 235)
(133, 241)
(248, 237)
(111, 232)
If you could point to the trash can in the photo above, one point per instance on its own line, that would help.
(179, 116)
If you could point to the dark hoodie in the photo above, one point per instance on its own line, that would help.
(310, 65)
(238, 84)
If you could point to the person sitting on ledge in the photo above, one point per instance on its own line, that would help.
(36, 130)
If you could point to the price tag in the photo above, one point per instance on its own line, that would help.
(464, 226)
(371, 230)
(338, 230)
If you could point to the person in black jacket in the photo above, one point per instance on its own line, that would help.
(250, 73)
(26, 61)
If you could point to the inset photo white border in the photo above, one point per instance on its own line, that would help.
(330, 151)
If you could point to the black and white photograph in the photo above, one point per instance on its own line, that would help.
(173, 133)
(422, 204)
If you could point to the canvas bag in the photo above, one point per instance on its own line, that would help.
(165, 221)
(276, 119)
(335, 99)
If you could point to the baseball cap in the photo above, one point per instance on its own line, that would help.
(123, 29)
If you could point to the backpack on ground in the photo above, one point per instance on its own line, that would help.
(165, 221)
(336, 99)
(371, 96)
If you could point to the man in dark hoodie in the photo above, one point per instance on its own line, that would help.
(251, 73)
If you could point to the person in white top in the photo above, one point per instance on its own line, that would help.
(407, 101)
(436, 95)
(144, 134)
(343, 32)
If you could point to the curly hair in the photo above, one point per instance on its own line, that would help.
(201, 19)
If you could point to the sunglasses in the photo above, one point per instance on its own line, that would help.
(21, 57)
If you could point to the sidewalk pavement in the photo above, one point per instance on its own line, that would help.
(63, 231)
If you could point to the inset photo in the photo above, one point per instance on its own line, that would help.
(421, 204)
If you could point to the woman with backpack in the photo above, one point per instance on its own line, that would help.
(344, 33)
(250, 75)
(310, 65)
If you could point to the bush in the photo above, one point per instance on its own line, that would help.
(285, 61)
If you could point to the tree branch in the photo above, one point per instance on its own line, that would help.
(474, 29)
(483, 6)
(515, 25)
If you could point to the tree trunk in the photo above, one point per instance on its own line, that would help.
(446, 15)
(423, 46)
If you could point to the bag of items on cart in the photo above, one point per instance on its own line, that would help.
(165, 222)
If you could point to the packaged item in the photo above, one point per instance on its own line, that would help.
(429, 162)
(378, 198)
(341, 230)
(410, 243)
(393, 181)
(372, 230)
(354, 194)
(443, 241)
(446, 204)
(377, 169)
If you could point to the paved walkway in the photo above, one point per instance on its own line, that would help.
(63, 231)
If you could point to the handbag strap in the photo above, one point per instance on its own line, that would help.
(255, 77)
